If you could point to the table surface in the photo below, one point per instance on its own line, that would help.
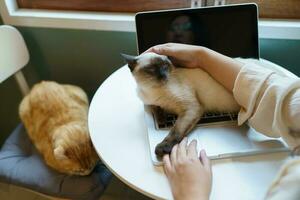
(118, 131)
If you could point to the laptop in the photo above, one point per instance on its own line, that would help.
(231, 30)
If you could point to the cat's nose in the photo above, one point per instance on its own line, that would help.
(163, 73)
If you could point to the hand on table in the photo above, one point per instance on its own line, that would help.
(190, 177)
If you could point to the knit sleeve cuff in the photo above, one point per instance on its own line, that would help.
(247, 87)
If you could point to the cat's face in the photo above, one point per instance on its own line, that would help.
(149, 67)
(75, 151)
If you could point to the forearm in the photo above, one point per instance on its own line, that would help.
(222, 68)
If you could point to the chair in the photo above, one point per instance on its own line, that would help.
(20, 163)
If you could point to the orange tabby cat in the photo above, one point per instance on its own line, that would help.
(55, 117)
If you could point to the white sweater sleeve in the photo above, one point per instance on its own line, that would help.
(270, 102)
(286, 184)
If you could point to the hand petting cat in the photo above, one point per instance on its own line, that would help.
(220, 67)
(182, 55)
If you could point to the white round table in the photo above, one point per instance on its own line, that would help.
(118, 131)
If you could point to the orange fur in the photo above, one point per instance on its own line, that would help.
(55, 117)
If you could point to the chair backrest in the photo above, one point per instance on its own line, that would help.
(13, 52)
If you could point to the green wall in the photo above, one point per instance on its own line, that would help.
(79, 57)
(86, 58)
(283, 52)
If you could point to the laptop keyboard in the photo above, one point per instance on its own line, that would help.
(208, 118)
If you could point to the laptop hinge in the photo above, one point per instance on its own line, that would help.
(203, 3)
(197, 3)
(220, 2)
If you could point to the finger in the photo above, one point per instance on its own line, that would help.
(174, 155)
(167, 164)
(205, 160)
(164, 50)
(149, 50)
(156, 48)
(181, 151)
(192, 149)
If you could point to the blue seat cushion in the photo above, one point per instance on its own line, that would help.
(22, 165)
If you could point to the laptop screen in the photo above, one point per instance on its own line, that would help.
(230, 30)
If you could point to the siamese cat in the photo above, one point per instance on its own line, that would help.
(188, 93)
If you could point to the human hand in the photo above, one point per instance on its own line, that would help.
(220, 67)
(182, 55)
(190, 177)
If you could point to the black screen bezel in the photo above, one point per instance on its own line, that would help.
(251, 8)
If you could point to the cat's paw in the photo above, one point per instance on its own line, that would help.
(163, 148)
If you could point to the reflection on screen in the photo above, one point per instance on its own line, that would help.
(181, 30)
(230, 30)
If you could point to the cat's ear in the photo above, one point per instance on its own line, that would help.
(59, 153)
(131, 60)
